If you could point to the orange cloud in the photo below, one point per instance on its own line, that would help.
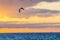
(26, 30)
(32, 19)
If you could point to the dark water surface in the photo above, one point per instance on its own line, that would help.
(30, 36)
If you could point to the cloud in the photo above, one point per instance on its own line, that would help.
(47, 5)
(10, 7)
(24, 3)
(39, 25)
(40, 12)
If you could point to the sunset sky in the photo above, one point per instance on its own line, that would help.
(43, 14)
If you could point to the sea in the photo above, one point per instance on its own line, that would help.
(30, 36)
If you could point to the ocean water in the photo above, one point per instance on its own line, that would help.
(30, 36)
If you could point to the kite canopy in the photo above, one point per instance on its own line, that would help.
(21, 9)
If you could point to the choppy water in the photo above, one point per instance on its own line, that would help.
(30, 36)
